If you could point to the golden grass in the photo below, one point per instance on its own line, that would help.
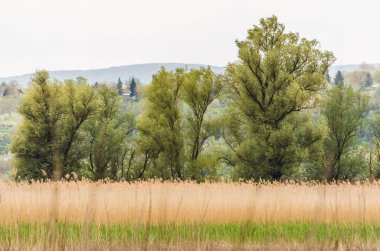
(175, 202)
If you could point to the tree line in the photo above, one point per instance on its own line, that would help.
(271, 115)
(11, 88)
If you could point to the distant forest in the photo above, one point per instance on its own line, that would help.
(275, 113)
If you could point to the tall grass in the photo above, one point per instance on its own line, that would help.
(155, 202)
(236, 235)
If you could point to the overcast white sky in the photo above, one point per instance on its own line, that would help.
(86, 34)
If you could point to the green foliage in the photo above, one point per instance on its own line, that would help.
(81, 107)
(277, 76)
(5, 140)
(71, 128)
(261, 119)
(53, 116)
(374, 136)
(9, 105)
(368, 82)
(132, 87)
(376, 76)
(119, 87)
(81, 80)
(70, 235)
(160, 125)
(8, 118)
(175, 127)
(344, 110)
(328, 78)
(106, 137)
(201, 87)
(339, 80)
(10, 89)
(37, 137)
(355, 78)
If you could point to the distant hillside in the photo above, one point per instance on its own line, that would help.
(347, 68)
(143, 72)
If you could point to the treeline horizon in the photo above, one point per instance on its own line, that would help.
(274, 114)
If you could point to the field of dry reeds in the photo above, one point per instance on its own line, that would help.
(186, 215)
(189, 203)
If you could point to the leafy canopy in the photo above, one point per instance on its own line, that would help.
(277, 76)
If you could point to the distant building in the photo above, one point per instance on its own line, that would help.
(130, 93)
(127, 96)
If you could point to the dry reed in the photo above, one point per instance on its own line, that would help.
(157, 202)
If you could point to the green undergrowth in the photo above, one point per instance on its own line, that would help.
(26, 234)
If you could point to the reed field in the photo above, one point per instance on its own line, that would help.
(187, 215)
(189, 203)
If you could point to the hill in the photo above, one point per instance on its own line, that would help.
(143, 72)
(349, 67)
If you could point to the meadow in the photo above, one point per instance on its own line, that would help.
(187, 215)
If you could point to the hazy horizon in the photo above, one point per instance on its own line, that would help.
(94, 34)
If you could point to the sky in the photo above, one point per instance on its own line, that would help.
(90, 34)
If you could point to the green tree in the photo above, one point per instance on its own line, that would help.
(160, 125)
(81, 107)
(132, 88)
(11, 89)
(328, 78)
(53, 115)
(376, 76)
(81, 80)
(201, 87)
(354, 77)
(368, 82)
(277, 76)
(107, 136)
(344, 111)
(35, 143)
(119, 87)
(339, 80)
(373, 127)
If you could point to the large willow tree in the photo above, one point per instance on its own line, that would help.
(160, 126)
(344, 110)
(276, 77)
(175, 126)
(201, 87)
(47, 143)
